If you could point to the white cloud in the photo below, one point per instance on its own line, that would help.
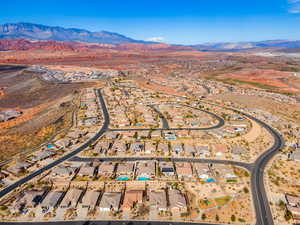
(293, 1)
(294, 6)
(294, 10)
(156, 39)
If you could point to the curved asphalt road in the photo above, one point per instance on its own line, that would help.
(165, 124)
(262, 208)
(219, 118)
(213, 161)
(220, 123)
(65, 157)
(263, 211)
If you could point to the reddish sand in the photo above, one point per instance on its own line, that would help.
(159, 88)
(267, 77)
(155, 60)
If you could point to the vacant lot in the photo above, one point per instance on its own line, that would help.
(25, 89)
(47, 108)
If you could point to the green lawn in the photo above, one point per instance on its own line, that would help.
(223, 200)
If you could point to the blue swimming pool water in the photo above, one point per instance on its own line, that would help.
(143, 178)
(122, 178)
(210, 180)
(50, 146)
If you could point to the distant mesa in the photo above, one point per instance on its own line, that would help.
(22, 44)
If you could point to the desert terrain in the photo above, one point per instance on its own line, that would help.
(166, 105)
(46, 109)
(24, 90)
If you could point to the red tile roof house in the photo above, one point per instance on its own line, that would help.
(184, 170)
(145, 169)
(106, 169)
(163, 147)
(65, 173)
(158, 200)
(86, 170)
(156, 134)
(119, 147)
(190, 150)
(224, 171)
(125, 169)
(63, 143)
(71, 198)
(203, 150)
(183, 133)
(202, 170)
(90, 199)
(177, 201)
(131, 199)
(220, 149)
(150, 147)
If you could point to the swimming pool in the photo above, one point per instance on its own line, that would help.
(50, 146)
(143, 178)
(122, 178)
(210, 180)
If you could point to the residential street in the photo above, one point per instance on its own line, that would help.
(263, 213)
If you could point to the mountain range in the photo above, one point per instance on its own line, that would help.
(239, 46)
(29, 32)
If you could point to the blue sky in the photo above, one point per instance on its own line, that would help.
(171, 21)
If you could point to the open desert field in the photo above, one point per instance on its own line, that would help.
(46, 109)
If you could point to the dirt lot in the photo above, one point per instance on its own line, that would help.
(286, 111)
(283, 178)
(47, 108)
(223, 203)
(25, 90)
